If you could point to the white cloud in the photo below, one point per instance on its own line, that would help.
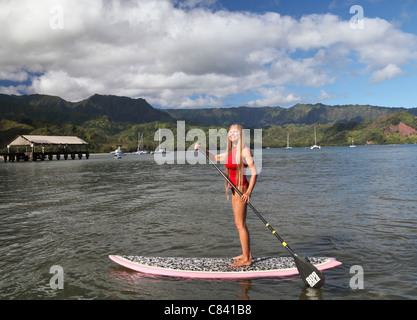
(380, 44)
(274, 96)
(13, 75)
(11, 89)
(324, 96)
(178, 54)
(389, 72)
(64, 85)
(308, 72)
(188, 4)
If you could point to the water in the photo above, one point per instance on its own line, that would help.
(358, 205)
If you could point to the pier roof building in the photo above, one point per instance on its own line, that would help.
(31, 140)
(42, 147)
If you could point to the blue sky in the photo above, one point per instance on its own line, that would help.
(402, 12)
(376, 8)
(398, 92)
(212, 53)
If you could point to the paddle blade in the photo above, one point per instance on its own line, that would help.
(311, 276)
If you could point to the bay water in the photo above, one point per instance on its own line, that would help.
(358, 205)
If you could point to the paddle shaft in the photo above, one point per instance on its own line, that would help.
(309, 273)
(253, 208)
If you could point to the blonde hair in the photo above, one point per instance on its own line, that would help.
(238, 159)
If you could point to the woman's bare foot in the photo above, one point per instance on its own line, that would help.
(241, 256)
(242, 262)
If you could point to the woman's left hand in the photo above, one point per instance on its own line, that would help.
(245, 197)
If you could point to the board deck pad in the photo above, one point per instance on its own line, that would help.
(218, 267)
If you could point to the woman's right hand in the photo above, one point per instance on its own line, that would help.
(197, 146)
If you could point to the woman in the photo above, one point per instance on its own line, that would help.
(237, 158)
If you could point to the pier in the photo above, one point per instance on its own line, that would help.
(33, 148)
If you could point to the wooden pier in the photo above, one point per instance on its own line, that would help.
(34, 156)
(45, 147)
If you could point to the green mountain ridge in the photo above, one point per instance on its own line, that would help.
(121, 109)
(278, 116)
(384, 129)
(106, 121)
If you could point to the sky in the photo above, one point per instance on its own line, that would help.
(212, 53)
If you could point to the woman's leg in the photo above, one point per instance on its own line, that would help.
(239, 211)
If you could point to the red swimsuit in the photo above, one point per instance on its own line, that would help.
(232, 166)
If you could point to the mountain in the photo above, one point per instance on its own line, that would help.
(124, 109)
(104, 121)
(108, 121)
(396, 128)
(224, 117)
(121, 109)
(38, 100)
(264, 117)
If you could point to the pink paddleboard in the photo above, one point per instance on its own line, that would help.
(218, 268)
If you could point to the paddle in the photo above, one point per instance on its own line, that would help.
(309, 273)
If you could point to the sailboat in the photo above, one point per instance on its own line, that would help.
(353, 145)
(288, 143)
(163, 151)
(140, 145)
(118, 153)
(315, 146)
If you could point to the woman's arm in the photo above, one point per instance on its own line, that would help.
(247, 156)
(214, 157)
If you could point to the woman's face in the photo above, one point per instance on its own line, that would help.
(234, 134)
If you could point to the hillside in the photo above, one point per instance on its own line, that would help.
(108, 121)
(277, 116)
(397, 128)
(122, 109)
(46, 108)
(101, 120)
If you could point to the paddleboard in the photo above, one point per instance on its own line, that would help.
(218, 268)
